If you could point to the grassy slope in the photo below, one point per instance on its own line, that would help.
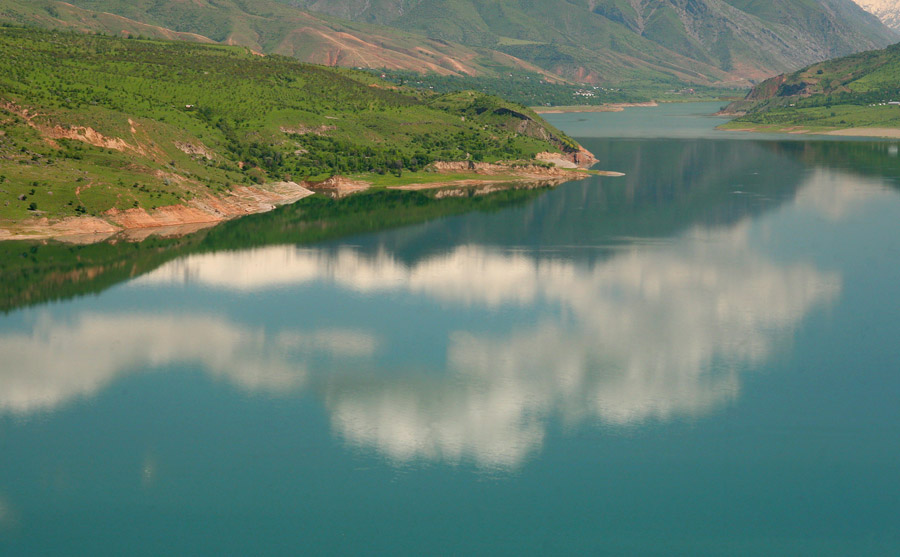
(252, 120)
(841, 93)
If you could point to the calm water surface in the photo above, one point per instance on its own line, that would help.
(701, 357)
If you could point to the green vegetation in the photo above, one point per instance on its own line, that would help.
(851, 92)
(91, 123)
(532, 89)
(527, 88)
(35, 272)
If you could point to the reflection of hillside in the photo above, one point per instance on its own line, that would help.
(651, 333)
(875, 159)
(668, 187)
(37, 272)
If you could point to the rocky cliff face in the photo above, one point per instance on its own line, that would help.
(888, 11)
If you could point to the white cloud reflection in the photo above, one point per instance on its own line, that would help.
(836, 195)
(654, 332)
(9, 519)
(58, 361)
(468, 274)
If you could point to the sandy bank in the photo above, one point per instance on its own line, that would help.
(878, 133)
(202, 212)
(198, 213)
(521, 175)
(892, 133)
(491, 182)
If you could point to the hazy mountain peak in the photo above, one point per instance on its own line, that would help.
(888, 11)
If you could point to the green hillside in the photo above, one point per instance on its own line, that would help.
(850, 92)
(90, 124)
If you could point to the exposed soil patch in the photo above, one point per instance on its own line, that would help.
(304, 130)
(195, 150)
(182, 218)
(893, 133)
(338, 186)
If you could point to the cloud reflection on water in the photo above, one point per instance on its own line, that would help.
(58, 360)
(653, 332)
(836, 195)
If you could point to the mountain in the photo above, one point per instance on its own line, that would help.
(603, 42)
(105, 131)
(857, 91)
(888, 11)
(266, 27)
(609, 40)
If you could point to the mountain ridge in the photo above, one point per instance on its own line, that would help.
(743, 38)
(308, 37)
(632, 42)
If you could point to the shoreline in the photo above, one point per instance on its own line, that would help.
(611, 107)
(179, 220)
(878, 133)
(872, 133)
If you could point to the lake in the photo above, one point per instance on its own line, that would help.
(700, 357)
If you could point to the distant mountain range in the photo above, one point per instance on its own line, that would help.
(602, 40)
(888, 11)
(730, 42)
(266, 27)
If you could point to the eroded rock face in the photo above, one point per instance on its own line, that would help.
(578, 159)
(888, 11)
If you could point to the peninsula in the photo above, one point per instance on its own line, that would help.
(857, 95)
(99, 133)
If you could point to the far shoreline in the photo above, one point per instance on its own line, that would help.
(855, 132)
(611, 107)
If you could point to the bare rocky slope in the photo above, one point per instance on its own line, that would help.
(888, 11)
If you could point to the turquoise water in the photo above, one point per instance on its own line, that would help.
(700, 357)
